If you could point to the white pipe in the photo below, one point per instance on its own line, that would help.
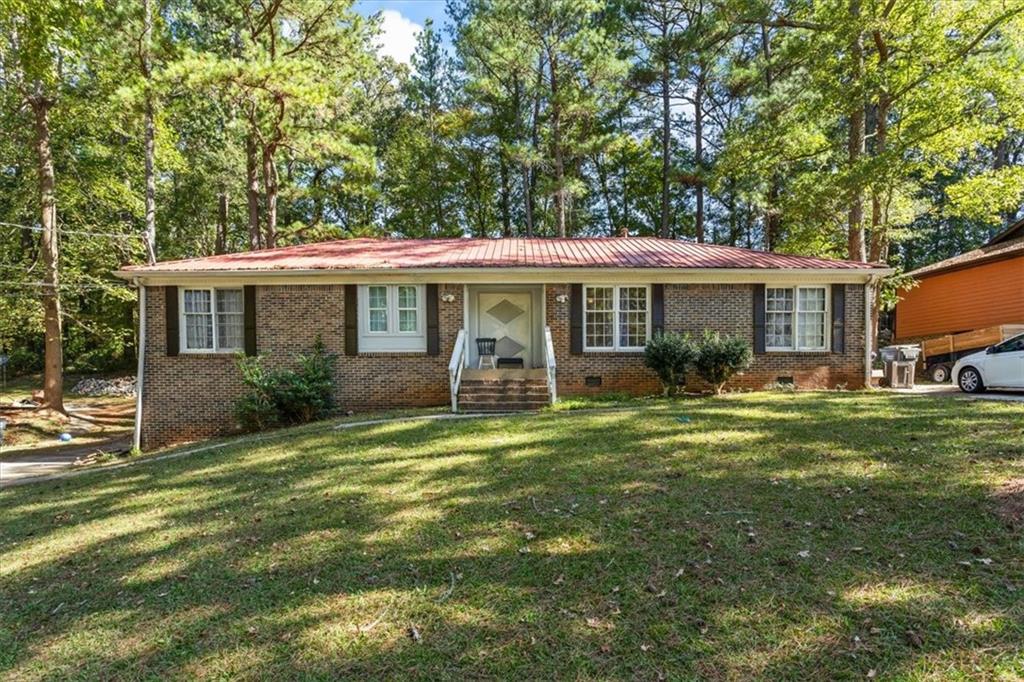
(868, 296)
(140, 371)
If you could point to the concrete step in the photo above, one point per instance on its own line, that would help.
(510, 383)
(502, 406)
(494, 396)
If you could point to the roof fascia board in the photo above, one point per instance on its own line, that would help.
(514, 275)
(984, 260)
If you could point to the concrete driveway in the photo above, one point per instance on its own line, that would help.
(951, 390)
(18, 465)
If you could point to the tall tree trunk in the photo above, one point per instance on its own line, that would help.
(879, 249)
(505, 199)
(49, 251)
(855, 146)
(698, 150)
(528, 199)
(270, 191)
(733, 218)
(252, 193)
(602, 179)
(149, 133)
(666, 132)
(772, 217)
(529, 173)
(556, 143)
(221, 245)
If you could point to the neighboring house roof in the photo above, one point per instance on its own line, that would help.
(425, 254)
(1012, 232)
(994, 250)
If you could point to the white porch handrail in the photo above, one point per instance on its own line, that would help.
(549, 363)
(458, 361)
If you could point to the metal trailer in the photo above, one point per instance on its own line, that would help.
(939, 355)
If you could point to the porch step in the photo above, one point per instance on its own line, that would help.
(503, 394)
(502, 406)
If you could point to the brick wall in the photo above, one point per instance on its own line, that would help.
(726, 308)
(191, 396)
(617, 371)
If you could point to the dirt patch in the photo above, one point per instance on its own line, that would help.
(1010, 502)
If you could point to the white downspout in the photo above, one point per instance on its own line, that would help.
(868, 296)
(140, 372)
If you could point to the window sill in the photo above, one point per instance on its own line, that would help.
(210, 353)
(392, 354)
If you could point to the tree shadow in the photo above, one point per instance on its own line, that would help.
(762, 536)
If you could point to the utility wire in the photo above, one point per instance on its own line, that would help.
(66, 287)
(115, 235)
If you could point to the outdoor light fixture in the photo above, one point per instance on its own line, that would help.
(562, 298)
(447, 298)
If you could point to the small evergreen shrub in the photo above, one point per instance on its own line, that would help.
(669, 355)
(719, 357)
(286, 397)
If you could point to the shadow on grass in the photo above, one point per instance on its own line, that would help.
(777, 536)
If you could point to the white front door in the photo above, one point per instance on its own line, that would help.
(506, 317)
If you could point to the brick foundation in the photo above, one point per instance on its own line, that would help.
(190, 396)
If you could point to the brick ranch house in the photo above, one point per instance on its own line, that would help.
(569, 316)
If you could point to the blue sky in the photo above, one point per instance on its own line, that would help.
(401, 21)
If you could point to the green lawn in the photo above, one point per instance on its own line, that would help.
(821, 535)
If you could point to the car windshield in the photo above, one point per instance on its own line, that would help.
(1012, 344)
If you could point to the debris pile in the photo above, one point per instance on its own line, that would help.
(120, 386)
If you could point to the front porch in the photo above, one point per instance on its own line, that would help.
(514, 317)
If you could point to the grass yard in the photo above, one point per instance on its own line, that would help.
(780, 536)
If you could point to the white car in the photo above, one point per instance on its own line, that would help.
(998, 366)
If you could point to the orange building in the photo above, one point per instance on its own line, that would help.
(977, 289)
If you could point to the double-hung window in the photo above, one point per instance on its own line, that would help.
(616, 317)
(393, 318)
(212, 320)
(796, 318)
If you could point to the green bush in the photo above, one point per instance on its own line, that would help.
(669, 355)
(286, 397)
(720, 357)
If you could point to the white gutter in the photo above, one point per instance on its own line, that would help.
(526, 275)
(140, 372)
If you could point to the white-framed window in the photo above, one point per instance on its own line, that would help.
(212, 320)
(392, 318)
(796, 318)
(616, 317)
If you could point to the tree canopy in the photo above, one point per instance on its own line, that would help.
(879, 129)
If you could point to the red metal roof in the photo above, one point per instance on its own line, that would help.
(608, 252)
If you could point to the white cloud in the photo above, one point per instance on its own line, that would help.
(398, 36)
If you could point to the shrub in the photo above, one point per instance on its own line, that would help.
(669, 355)
(720, 357)
(286, 397)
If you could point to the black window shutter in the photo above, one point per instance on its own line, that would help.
(249, 318)
(171, 326)
(351, 320)
(433, 332)
(657, 309)
(758, 318)
(838, 318)
(576, 319)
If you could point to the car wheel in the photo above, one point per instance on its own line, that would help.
(940, 374)
(970, 380)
